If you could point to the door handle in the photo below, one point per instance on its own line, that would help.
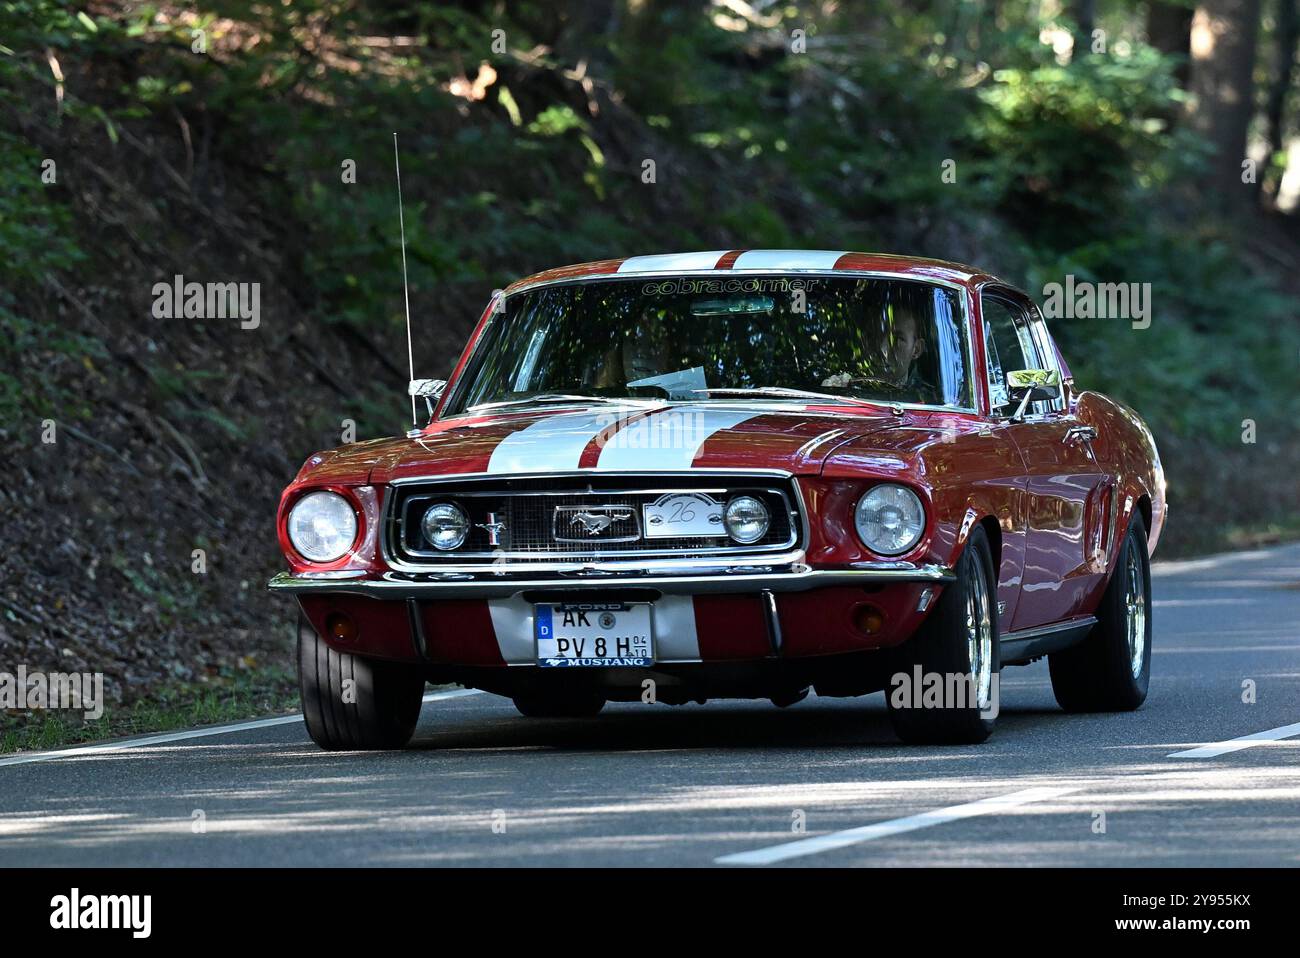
(1080, 434)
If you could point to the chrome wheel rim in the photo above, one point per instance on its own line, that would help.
(979, 640)
(1135, 611)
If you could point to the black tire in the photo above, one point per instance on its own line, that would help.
(1106, 672)
(377, 710)
(559, 706)
(941, 647)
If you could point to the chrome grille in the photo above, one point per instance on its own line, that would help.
(538, 517)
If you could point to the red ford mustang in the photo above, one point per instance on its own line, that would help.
(733, 474)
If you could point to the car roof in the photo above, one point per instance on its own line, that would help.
(762, 261)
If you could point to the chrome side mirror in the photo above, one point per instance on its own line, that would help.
(1032, 385)
(430, 390)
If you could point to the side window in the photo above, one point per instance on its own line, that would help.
(1008, 344)
(1047, 347)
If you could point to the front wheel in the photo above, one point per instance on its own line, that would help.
(352, 703)
(1109, 671)
(943, 691)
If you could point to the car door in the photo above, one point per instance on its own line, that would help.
(1062, 478)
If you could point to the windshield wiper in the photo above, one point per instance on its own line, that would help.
(781, 392)
(565, 398)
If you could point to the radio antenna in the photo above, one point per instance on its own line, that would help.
(406, 287)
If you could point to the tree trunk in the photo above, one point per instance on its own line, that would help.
(1224, 34)
(1169, 30)
(1084, 13)
(586, 29)
(1287, 33)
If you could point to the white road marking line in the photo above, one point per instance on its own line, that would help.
(167, 737)
(897, 826)
(1170, 603)
(450, 694)
(1237, 744)
(1227, 648)
(1175, 566)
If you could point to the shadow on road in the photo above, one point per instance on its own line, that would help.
(624, 728)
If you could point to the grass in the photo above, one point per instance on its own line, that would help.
(1187, 536)
(245, 694)
(1259, 535)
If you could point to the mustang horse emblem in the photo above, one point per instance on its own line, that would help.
(493, 527)
(594, 523)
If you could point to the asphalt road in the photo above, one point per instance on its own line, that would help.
(689, 785)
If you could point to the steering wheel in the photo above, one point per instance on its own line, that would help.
(883, 384)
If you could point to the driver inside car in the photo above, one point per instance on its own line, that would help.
(903, 349)
(634, 358)
(643, 359)
(898, 365)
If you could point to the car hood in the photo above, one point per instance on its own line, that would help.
(676, 437)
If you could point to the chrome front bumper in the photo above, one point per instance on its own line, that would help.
(682, 577)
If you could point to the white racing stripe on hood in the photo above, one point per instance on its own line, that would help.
(669, 439)
(553, 444)
(671, 262)
(788, 259)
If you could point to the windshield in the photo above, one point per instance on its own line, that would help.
(698, 339)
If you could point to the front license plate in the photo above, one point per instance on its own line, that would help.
(589, 634)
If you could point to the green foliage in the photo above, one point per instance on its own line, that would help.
(35, 240)
(1218, 345)
(36, 235)
(1073, 146)
(1059, 168)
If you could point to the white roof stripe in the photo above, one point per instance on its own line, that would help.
(671, 262)
(788, 259)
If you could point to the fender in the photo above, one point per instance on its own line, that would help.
(1126, 449)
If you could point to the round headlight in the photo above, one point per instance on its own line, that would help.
(446, 526)
(746, 519)
(322, 526)
(890, 519)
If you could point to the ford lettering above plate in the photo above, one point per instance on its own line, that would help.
(683, 514)
(593, 634)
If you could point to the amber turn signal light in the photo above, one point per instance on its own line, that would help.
(340, 627)
(868, 619)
